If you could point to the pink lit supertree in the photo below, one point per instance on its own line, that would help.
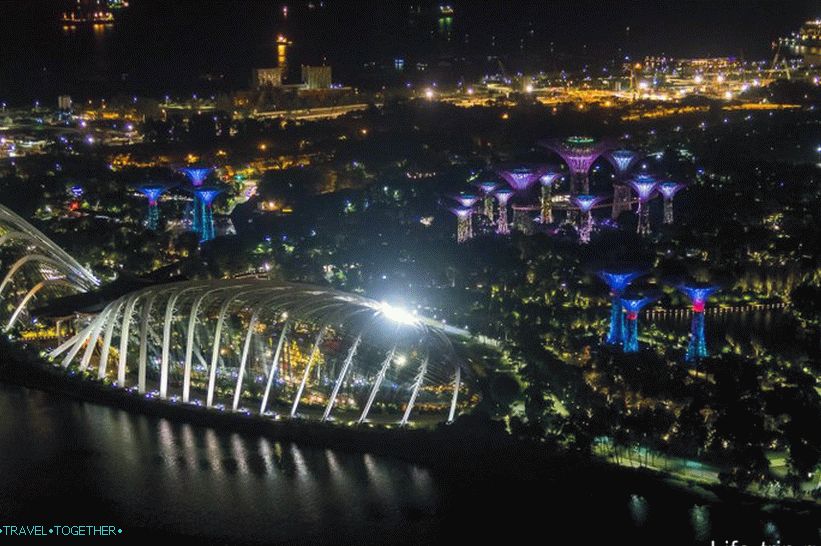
(548, 182)
(644, 186)
(503, 196)
(579, 153)
(668, 190)
(585, 204)
(521, 178)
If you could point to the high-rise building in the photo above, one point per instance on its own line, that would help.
(64, 103)
(267, 77)
(316, 77)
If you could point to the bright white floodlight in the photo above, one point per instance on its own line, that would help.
(396, 314)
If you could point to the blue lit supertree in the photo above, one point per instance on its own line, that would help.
(644, 186)
(464, 225)
(617, 281)
(197, 176)
(698, 294)
(585, 204)
(206, 196)
(623, 162)
(668, 190)
(632, 306)
(548, 181)
(153, 194)
(487, 188)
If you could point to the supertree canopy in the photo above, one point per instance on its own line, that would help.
(698, 294)
(205, 196)
(503, 196)
(668, 190)
(153, 193)
(521, 178)
(466, 199)
(622, 160)
(487, 188)
(644, 186)
(617, 281)
(579, 152)
(548, 181)
(464, 223)
(633, 304)
(585, 204)
(197, 175)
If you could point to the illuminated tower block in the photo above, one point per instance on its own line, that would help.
(632, 306)
(547, 180)
(622, 161)
(487, 189)
(521, 178)
(205, 196)
(644, 186)
(668, 190)
(585, 204)
(617, 281)
(503, 196)
(698, 294)
(153, 194)
(464, 224)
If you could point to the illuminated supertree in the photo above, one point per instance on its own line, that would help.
(644, 186)
(622, 161)
(668, 190)
(464, 223)
(698, 294)
(579, 153)
(585, 204)
(487, 189)
(632, 306)
(153, 194)
(466, 199)
(548, 180)
(617, 281)
(197, 176)
(205, 196)
(503, 196)
(521, 178)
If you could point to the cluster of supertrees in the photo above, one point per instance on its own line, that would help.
(579, 154)
(625, 308)
(200, 217)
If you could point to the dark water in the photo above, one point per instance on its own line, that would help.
(183, 46)
(67, 462)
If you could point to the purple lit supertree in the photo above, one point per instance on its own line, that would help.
(487, 188)
(548, 181)
(466, 199)
(632, 306)
(521, 178)
(622, 161)
(668, 190)
(617, 281)
(503, 196)
(585, 204)
(464, 223)
(698, 294)
(153, 193)
(206, 195)
(644, 186)
(579, 153)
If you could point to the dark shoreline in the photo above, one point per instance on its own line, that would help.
(452, 452)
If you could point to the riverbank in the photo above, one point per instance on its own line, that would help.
(470, 449)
